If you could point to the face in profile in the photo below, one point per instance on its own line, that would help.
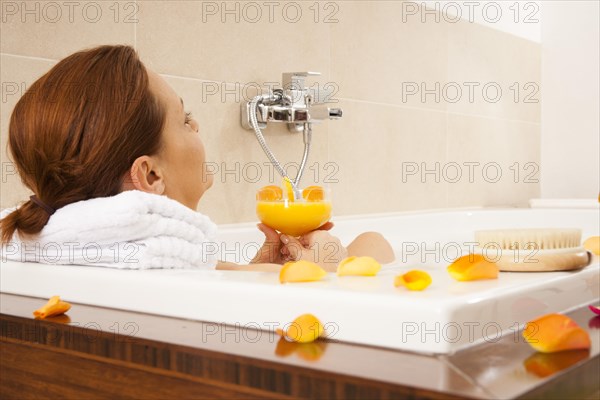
(179, 169)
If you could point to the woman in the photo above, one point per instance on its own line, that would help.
(100, 124)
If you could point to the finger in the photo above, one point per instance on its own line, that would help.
(293, 245)
(270, 233)
(267, 253)
(311, 238)
(326, 226)
(303, 240)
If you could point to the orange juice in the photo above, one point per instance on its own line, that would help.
(293, 218)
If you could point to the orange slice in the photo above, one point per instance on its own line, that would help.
(413, 280)
(301, 271)
(270, 193)
(289, 189)
(473, 267)
(313, 193)
(555, 332)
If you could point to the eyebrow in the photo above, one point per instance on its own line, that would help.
(180, 99)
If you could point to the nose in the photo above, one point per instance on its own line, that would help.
(194, 125)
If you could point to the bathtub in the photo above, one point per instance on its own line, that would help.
(446, 317)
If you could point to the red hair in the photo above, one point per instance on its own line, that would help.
(77, 130)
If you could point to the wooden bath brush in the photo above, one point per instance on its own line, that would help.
(528, 250)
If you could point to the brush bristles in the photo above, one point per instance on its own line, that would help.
(522, 239)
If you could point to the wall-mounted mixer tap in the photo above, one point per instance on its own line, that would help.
(294, 104)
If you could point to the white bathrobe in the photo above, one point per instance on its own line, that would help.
(131, 230)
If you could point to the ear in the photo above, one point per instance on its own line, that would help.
(145, 175)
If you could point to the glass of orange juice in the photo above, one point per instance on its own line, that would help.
(278, 209)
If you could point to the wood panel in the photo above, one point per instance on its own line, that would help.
(41, 359)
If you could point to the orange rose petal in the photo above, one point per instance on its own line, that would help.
(555, 332)
(592, 244)
(546, 364)
(307, 351)
(270, 193)
(472, 267)
(313, 193)
(361, 266)
(60, 319)
(301, 271)
(53, 307)
(413, 280)
(284, 347)
(311, 351)
(304, 329)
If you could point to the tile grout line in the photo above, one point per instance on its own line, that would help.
(331, 79)
(29, 57)
(374, 102)
(197, 79)
(341, 98)
(447, 137)
(447, 44)
(135, 46)
(438, 111)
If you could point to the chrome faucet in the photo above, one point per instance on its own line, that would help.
(294, 104)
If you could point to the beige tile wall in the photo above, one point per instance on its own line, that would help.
(393, 150)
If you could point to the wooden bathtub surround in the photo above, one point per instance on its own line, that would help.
(97, 353)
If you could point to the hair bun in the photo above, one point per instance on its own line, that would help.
(28, 219)
(62, 173)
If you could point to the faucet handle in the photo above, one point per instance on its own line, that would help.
(322, 94)
(295, 80)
